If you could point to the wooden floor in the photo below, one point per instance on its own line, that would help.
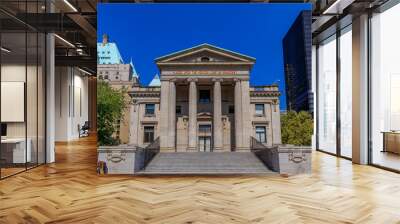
(69, 191)
(387, 159)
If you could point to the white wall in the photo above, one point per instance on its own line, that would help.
(71, 103)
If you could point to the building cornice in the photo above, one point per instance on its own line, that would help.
(205, 63)
(145, 92)
(265, 93)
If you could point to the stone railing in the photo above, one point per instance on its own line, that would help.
(125, 159)
(285, 159)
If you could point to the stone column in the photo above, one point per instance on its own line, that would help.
(238, 115)
(192, 132)
(134, 125)
(276, 123)
(246, 121)
(217, 120)
(164, 123)
(172, 114)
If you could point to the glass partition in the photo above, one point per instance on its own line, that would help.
(327, 95)
(14, 154)
(385, 89)
(22, 77)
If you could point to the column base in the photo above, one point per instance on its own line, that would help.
(218, 149)
(167, 149)
(242, 149)
(191, 149)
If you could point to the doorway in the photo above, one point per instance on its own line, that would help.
(205, 143)
(204, 137)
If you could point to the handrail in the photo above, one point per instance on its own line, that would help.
(150, 152)
(263, 152)
(256, 145)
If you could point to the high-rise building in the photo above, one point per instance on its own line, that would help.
(297, 61)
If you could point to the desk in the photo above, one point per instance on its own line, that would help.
(13, 150)
(391, 141)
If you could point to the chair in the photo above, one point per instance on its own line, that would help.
(84, 130)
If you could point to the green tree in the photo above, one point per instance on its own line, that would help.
(110, 107)
(297, 128)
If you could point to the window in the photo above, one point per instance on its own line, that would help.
(148, 134)
(261, 134)
(116, 77)
(106, 77)
(259, 109)
(149, 109)
(178, 109)
(345, 83)
(204, 96)
(327, 95)
(100, 77)
(231, 109)
(204, 128)
(385, 89)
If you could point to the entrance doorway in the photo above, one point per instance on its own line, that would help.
(204, 137)
(205, 143)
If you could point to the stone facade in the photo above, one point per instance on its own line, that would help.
(119, 76)
(112, 69)
(204, 103)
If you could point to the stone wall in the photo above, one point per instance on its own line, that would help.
(286, 159)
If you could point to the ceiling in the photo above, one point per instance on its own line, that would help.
(73, 21)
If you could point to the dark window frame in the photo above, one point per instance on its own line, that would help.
(231, 109)
(204, 96)
(148, 134)
(258, 109)
(262, 134)
(149, 111)
(178, 109)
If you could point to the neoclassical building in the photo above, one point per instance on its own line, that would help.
(203, 102)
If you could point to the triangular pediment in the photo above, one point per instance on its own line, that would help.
(207, 54)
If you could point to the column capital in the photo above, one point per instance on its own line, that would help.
(173, 80)
(217, 79)
(192, 80)
(236, 80)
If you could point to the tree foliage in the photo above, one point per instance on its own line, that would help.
(297, 128)
(111, 104)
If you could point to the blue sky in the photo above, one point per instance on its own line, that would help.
(144, 32)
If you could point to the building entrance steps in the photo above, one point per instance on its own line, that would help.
(206, 163)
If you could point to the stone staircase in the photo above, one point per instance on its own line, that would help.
(206, 163)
